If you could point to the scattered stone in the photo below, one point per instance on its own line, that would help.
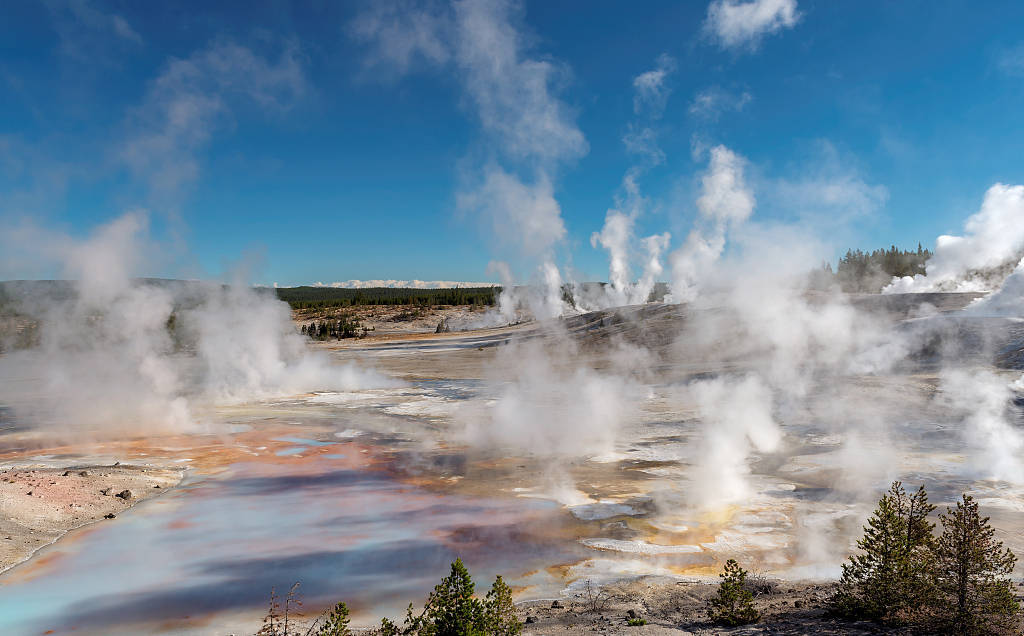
(117, 463)
(556, 605)
(65, 473)
(109, 515)
(632, 614)
(156, 486)
(798, 604)
(530, 620)
(106, 491)
(84, 473)
(124, 494)
(29, 493)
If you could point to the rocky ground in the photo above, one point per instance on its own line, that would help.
(678, 607)
(385, 320)
(681, 608)
(39, 505)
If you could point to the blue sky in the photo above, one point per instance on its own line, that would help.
(328, 141)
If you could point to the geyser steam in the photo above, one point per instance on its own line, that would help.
(118, 353)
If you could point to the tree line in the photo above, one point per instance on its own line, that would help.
(344, 326)
(324, 297)
(869, 272)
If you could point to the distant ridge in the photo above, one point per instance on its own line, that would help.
(402, 284)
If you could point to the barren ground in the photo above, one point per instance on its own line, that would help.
(386, 320)
(39, 505)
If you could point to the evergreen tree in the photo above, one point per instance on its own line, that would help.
(734, 604)
(451, 609)
(500, 611)
(975, 596)
(388, 628)
(334, 622)
(890, 580)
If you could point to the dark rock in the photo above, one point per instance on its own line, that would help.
(556, 605)
(84, 473)
(632, 614)
(531, 620)
(105, 491)
(65, 473)
(798, 604)
(124, 494)
(109, 515)
(117, 463)
(156, 486)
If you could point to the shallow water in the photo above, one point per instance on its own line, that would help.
(204, 557)
(366, 496)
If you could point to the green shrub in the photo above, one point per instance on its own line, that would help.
(734, 604)
(636, 622)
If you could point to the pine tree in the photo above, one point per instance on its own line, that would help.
(890, 579)
(500, 611)
(334, 622)
(451, 609)
(734, 604)
(974, 594)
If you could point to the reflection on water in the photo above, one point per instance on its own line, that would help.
(367, 496)
(205, 556)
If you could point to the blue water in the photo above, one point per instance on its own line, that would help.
(203, 558)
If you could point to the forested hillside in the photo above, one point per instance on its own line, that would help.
(323, 297)
(869, 272)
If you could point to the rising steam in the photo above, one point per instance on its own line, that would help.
(119, 353)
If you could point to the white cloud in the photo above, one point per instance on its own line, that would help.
(643, 140)
(650, 95)
(125, 30)
(827, 190)
(513, 93)
(650, 89)
(400, 32)
(1011, 61)
(186, 103)
(737, 24)
(86, 31)
(841, 196)
(711, 102)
